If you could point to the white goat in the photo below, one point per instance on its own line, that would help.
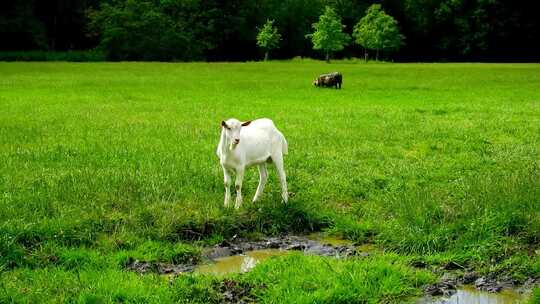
(251, 143)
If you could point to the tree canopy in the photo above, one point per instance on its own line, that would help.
(378, 31)
(328, 35)
(268, 37)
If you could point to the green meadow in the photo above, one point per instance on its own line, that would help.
(104, 162)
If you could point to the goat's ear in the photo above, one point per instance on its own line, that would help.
(223, 124)
(246, 123)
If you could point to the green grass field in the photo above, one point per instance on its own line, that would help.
(101, 162)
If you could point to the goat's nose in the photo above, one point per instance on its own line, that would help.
(237, 141)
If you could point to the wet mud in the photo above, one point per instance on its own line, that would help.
(472, 288)
(235, 292)
(468, 294)
(304, 244)
(144, 267)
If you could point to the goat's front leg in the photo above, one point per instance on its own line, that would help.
(227, 182)
(238, 185)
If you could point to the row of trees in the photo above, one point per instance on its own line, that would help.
(375, 31)
(227, 30)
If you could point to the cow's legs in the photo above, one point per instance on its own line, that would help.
(238, 185)
(263, 176)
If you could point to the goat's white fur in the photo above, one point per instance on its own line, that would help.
(247, 144)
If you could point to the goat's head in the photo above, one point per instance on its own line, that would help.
(316, 82)
(232, 128)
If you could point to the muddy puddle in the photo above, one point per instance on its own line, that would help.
(242, 255)
(238, 263)
(470, 295)
(309, 245)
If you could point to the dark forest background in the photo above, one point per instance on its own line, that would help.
(435, 30)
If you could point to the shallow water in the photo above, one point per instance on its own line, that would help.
(239, 263)
(327, 239)
(469, 295)
(323, 238)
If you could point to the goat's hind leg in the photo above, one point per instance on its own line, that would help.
(278, 162)
(263, 176)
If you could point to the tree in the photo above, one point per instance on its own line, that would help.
(328, 35)
(268, 37)
(378, 31)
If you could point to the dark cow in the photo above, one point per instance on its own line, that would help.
(333, 79)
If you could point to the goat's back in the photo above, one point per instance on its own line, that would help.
(263, 124)
(263, 129)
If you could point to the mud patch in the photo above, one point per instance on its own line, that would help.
(298, 243)
(158, 267)
(447, 286)
(472, 288)
(488, 285)
(235, 292)
(470, 295)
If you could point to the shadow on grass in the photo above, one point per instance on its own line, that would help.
(268, 218)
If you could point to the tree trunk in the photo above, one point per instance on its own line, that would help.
(377, 55)
(327, 56)
(266, 55)
(365, 55)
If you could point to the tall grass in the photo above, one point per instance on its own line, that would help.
(494, 211)
(535, 298)
(301, 279)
